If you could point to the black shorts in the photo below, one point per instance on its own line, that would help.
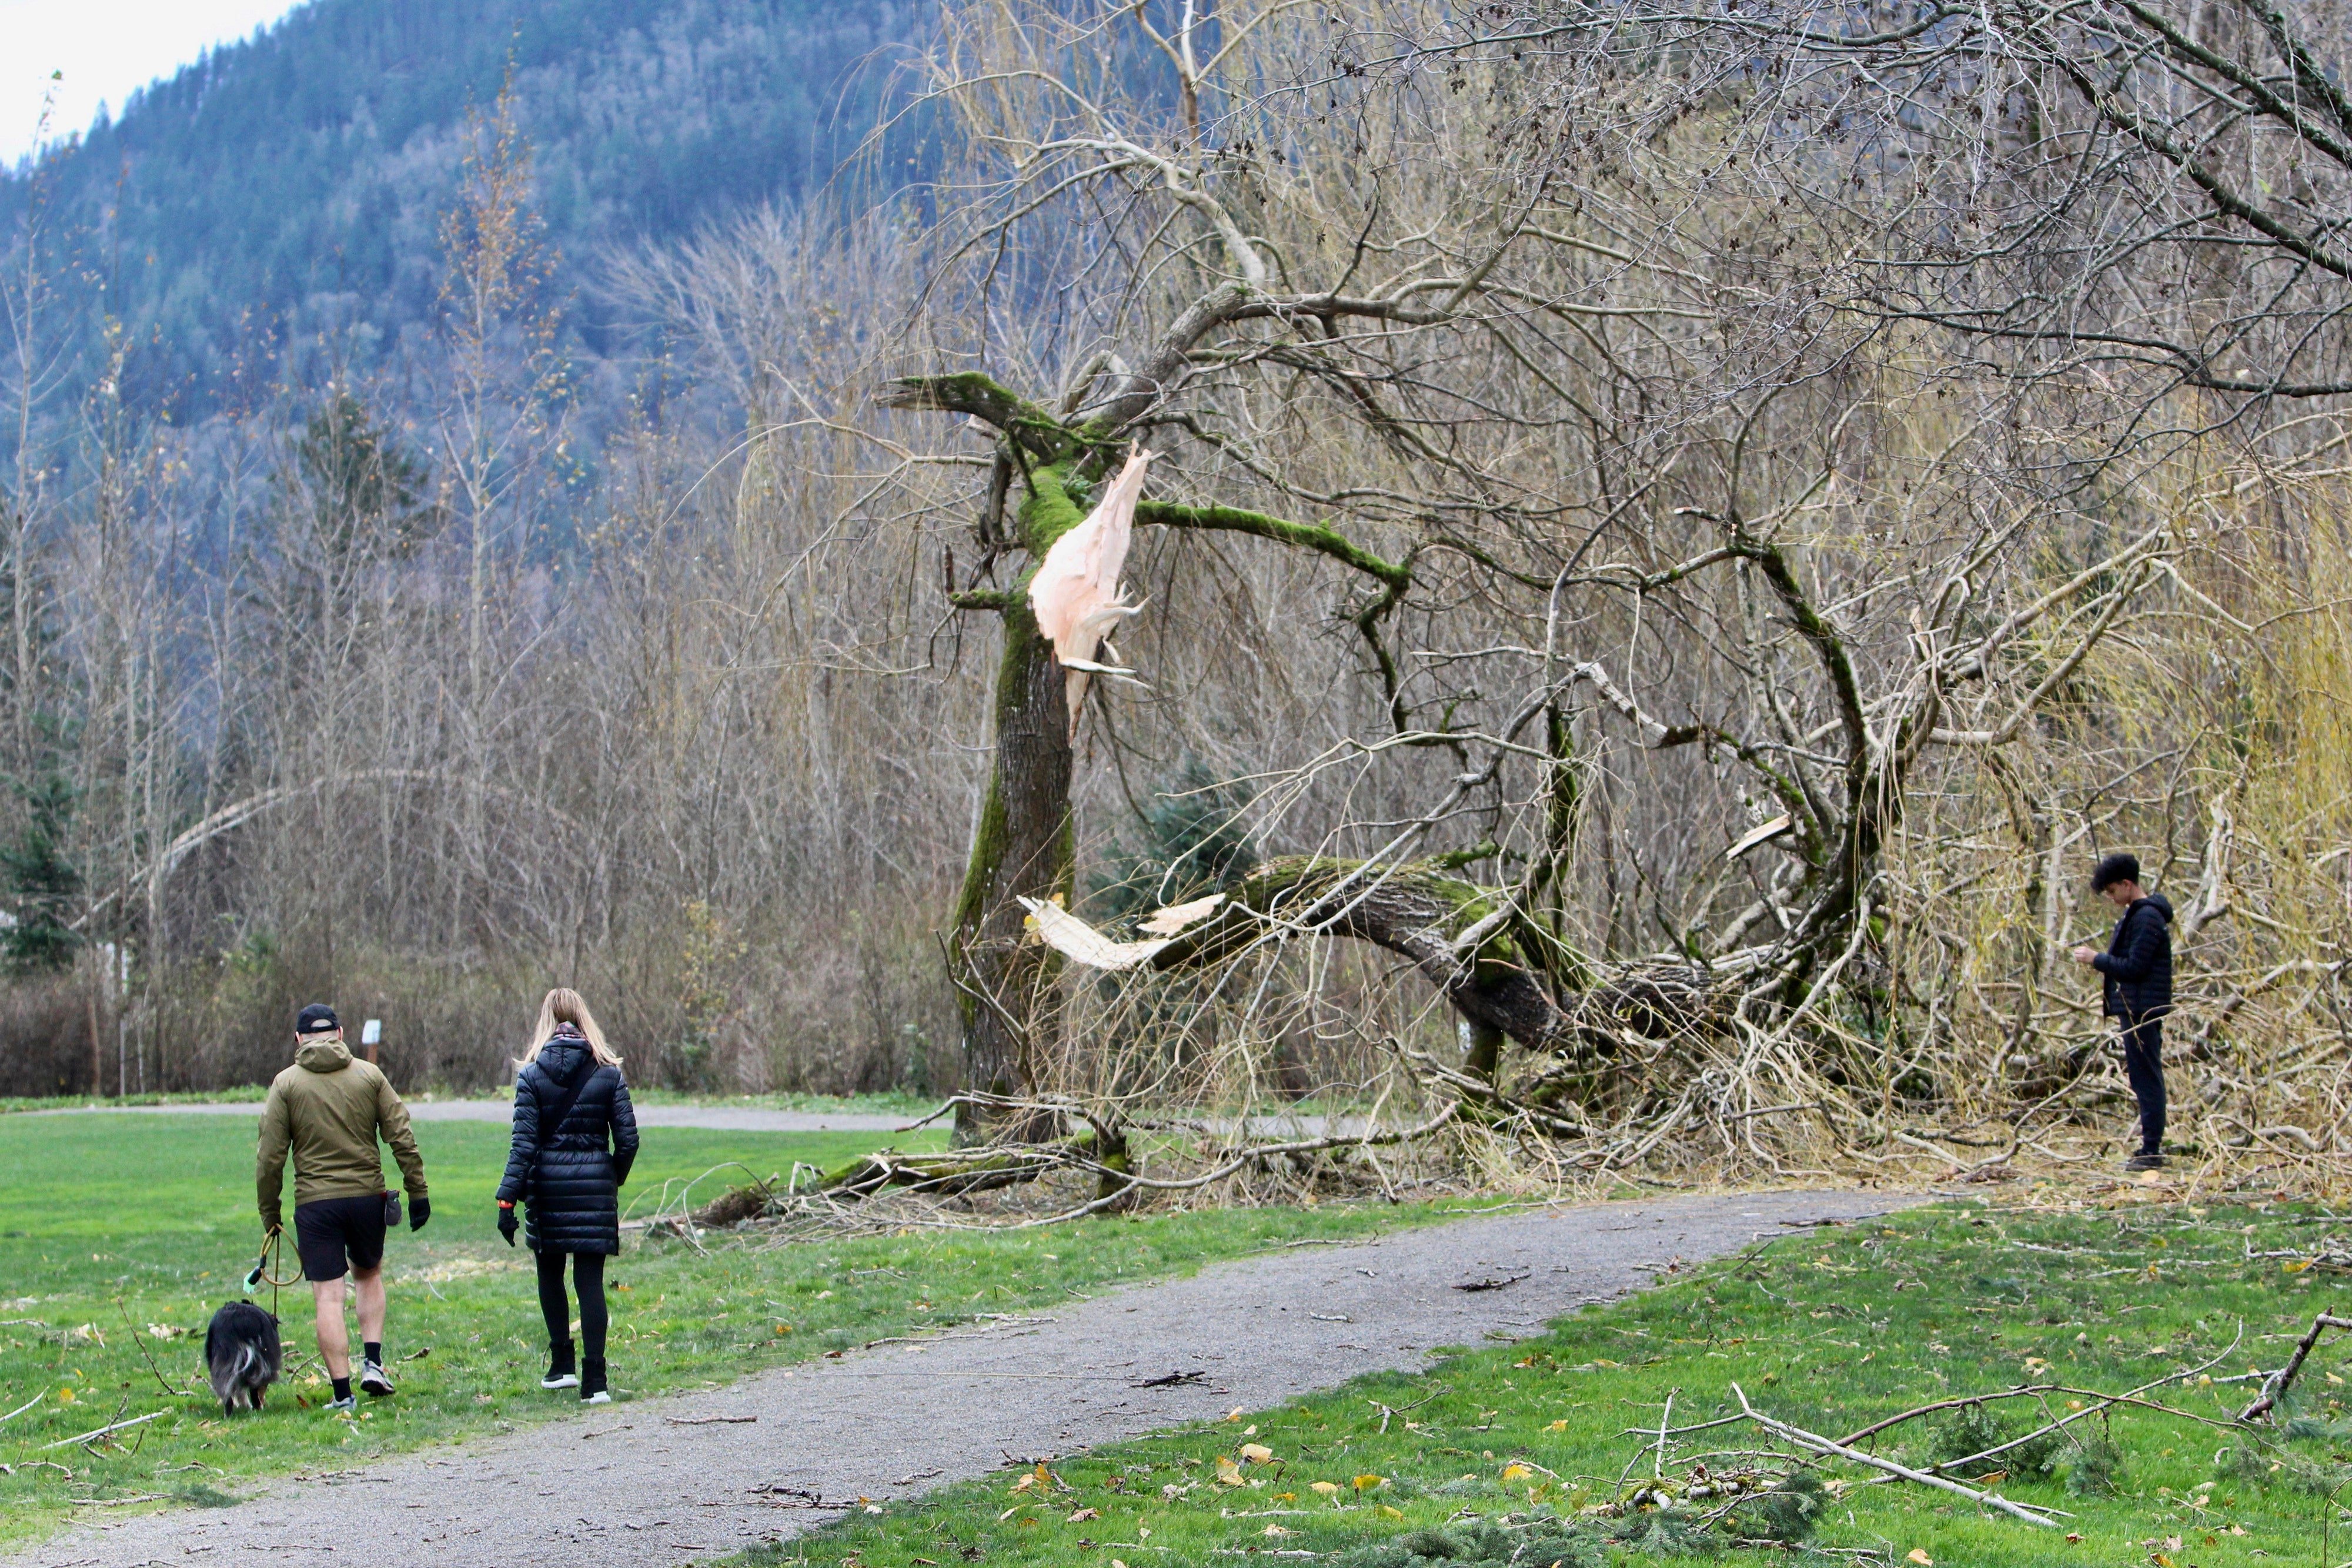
(325, 1230)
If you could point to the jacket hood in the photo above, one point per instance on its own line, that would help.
(2163, 905)
(324, 1056)
(563, 1057)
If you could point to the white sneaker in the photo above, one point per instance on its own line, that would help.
(599, 1397)
(343, 1406)
(560, 1380)
(374, 1381)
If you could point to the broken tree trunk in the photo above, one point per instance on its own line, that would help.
(1023, 846)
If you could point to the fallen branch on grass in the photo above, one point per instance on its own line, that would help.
(1813, 1442)
(2276, 1387)
(102, 1431)
(1100, 1150)
(133, 1328)
(2104, 1402)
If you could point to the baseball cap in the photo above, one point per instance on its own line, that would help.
(316, 1019)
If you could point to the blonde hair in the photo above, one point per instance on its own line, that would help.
(564, 1006)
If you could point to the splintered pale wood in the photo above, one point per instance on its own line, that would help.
(1073, 938)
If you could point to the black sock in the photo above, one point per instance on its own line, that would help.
(343, 1388)
(374, 1350)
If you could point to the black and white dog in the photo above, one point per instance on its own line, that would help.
(243, 1355)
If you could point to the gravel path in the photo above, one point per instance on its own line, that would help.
(658, 1482)
(717, 1118)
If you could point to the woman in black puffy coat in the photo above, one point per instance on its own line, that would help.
(575, 1137)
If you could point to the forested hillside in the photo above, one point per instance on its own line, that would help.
(287, 191)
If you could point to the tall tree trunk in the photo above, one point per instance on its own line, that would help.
(1025, 846)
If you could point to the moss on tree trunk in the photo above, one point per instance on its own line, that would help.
(1025, 845)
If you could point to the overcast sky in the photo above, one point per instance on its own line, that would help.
(106, 48)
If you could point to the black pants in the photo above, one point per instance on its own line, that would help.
(2143, 1065)
(588, 1272)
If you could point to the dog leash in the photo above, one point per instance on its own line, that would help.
(274, 1242)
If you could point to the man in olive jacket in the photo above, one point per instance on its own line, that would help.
(2137, 982)
(327, 1109)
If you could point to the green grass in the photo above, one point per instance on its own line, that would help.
(109, 1224)
(254, 1092)
(1827, 1330)
(893, 1103)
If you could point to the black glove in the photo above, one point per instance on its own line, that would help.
(420, 1209)
(506, 1222)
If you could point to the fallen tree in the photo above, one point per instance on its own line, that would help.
(1636, 495)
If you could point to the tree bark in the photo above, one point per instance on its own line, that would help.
(1024, 847)
(1026, 842)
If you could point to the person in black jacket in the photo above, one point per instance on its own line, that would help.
(2137, 970)
(576, 1136)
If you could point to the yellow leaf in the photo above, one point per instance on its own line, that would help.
(1366, 1483)
(1558, 1425)
(1277, 1531)
(1024, 1484)
(1391, 1512)
(1513, 1472)
(1229, 1474)
(1328, 1488)
(1257, 1453)
(1919, 1555)
(1285, 1497)
(1235, 1414)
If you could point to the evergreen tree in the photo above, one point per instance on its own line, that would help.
(1194, 845)
(364, 493)
(43, 882)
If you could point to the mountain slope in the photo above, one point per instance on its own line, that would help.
(288, 186)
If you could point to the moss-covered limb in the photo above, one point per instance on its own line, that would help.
(1048, 512)
(998, 598)
(1416, 910)
(982, 397)
(1367, 626)
(1306, 536)
(1454, 860)
(1844, 689)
